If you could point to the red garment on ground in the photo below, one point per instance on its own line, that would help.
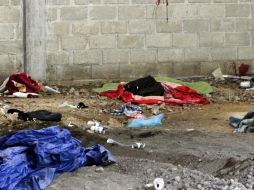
(181, 95)
(22, 78)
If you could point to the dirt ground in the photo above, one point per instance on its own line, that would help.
(194, 149)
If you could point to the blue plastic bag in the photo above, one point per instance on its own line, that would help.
(147, 122)
(31, 159)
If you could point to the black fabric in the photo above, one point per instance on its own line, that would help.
(146, 86)
(81, 105)
(42, 115)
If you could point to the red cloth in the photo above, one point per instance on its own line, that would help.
(31, 86)
(181, 95)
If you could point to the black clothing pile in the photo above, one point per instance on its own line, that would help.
(42, 115)
(146, 86)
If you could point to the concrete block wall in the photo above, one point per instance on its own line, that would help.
(112, 39)
(11, 37)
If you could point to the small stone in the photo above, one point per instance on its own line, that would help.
(177, 178)
(155, 110)
(149, 186)
(72, 90)
(99, 170)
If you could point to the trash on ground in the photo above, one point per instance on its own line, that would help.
(147, 91)
(128, 110)
(96, 127)
(21, 85)
(137, 145)
(51, 90)
(80, 105)
(245, 84)
(238, 77)
(44, 155)
(244, 125)
(243, 69)
(42, 115)
(217, 74)
(146, 122)
(158, 184)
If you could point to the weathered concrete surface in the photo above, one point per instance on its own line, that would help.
(128, 39)
(11, 35)
(35, 45)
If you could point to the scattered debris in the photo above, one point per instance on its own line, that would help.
(158, 184)
(217, 74)
(146, 122)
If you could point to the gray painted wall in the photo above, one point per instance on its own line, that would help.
(11, 37)
(112, 39)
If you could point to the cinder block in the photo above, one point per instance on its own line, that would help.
(244, 25)
(58, 58)
(81, 2)
(115, 56)
(143, 56)
(185, 40)
(186, 68)
(57, 2)
(197, 54)
(11, 47)
(170, 55)
(53, 43)
(15, 2)
(9, 14)
(130, 41)
(108, 71)
(60, 28)
(115, 1)
(224, 54)
(195, 25)
(208, 39)
(165, 69)
(226, 25)
(51, 14)
(225, 1)
(73, 13)
(74, 42)
(4, 2)
(159, 12)
(102, 13)
(237, 39)
(104, 41)
(199, 1)
(75, 72)
(131, 12)
(186, 11)
(159, 40)
(87, 57)
(215, 10)
(143, 2)
(116, 27)
(170, 26)
(6, 31)
(238, 10)
(86, 28)
(245, 53)
(141, 26)
(131, 71)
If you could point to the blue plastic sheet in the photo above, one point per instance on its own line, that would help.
(147, 122)
(31, 159)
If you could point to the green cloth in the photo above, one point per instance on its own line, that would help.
(200, 86)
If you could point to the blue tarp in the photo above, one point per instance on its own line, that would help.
(31, 159)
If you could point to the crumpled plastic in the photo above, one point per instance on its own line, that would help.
(32, 159)
(147, 122)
